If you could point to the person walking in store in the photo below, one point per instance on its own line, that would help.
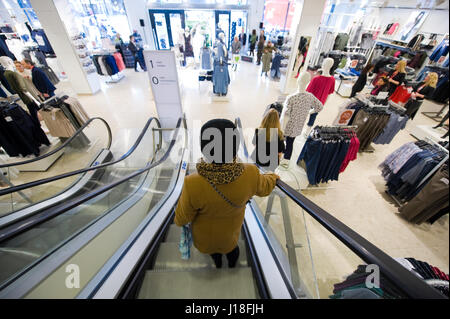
(40, 79)
(269, 142)
(136, 53)
(396, 76)
(252, 41)
(213, 200)
(362, 80)
(420, 92)
(259, 51)
(236, 47)
(267, 57)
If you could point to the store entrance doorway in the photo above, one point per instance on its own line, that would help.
(167, 26)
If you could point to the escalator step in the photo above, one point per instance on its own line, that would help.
(169, 258)
(223, 283)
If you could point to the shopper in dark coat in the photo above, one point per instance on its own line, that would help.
(40, 79)
(260, 49)
(362, 80)
(137, 53)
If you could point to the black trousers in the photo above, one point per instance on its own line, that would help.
(33, 108)
(232, 258)
(289, 147)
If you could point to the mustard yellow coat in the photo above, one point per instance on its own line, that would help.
(216, 225)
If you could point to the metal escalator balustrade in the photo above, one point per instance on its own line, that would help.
(88, 145)
(316, 251)
(94, 245)
(49, 191)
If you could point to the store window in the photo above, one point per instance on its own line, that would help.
(101, 19)
(278, 15)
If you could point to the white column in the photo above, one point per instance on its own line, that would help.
(137, 10)
(306, 23)
(53, 22)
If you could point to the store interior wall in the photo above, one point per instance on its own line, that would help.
(255, 15)
(137, 10)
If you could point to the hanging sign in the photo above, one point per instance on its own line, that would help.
(163, 75)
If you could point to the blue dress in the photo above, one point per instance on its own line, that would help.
(221, 77)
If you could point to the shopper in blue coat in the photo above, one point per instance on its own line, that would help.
(40, 79)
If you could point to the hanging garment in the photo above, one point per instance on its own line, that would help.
(396, 123)
(206, 56)
(4, 50)
(430, 200)
(24, 135)
(321, 86)
(441, 50)
(370, 123)
(119, 61)
(298, 107)
(341, 41)
(42, 82)
(101, 62)
(111, 63)
(57, 123)
(405, 169)
(367, 41)
(221, 78)
(77, 109)
(41, 39)
(324, 153)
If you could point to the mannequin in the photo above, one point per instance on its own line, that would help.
(221, 77)
(321, 87)
(16, 82)
(296, 108)
(188, 50)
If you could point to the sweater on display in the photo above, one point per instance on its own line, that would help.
(321, 86)
(298, 107)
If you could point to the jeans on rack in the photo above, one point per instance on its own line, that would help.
(326, 154)
(343, 150)
(289, 147)
(311, 154)
(328, 161)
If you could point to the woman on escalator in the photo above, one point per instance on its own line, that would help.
(213, 200)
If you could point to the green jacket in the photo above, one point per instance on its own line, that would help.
(17, 83)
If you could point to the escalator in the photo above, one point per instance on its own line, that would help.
(21, 201)
(130, 248)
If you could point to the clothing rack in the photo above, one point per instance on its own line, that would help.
(434, 170)
(438, 165)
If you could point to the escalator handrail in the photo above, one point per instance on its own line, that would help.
(86, 169)
(410, 284)
(57, 209)
(63, 145)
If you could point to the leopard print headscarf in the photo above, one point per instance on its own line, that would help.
(220, 173)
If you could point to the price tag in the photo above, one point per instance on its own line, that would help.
(8, 119)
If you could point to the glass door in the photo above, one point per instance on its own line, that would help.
(223, 25)
(167, 27)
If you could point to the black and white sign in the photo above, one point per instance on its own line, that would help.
(162, 72)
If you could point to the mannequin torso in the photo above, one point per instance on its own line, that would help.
(297, 107)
